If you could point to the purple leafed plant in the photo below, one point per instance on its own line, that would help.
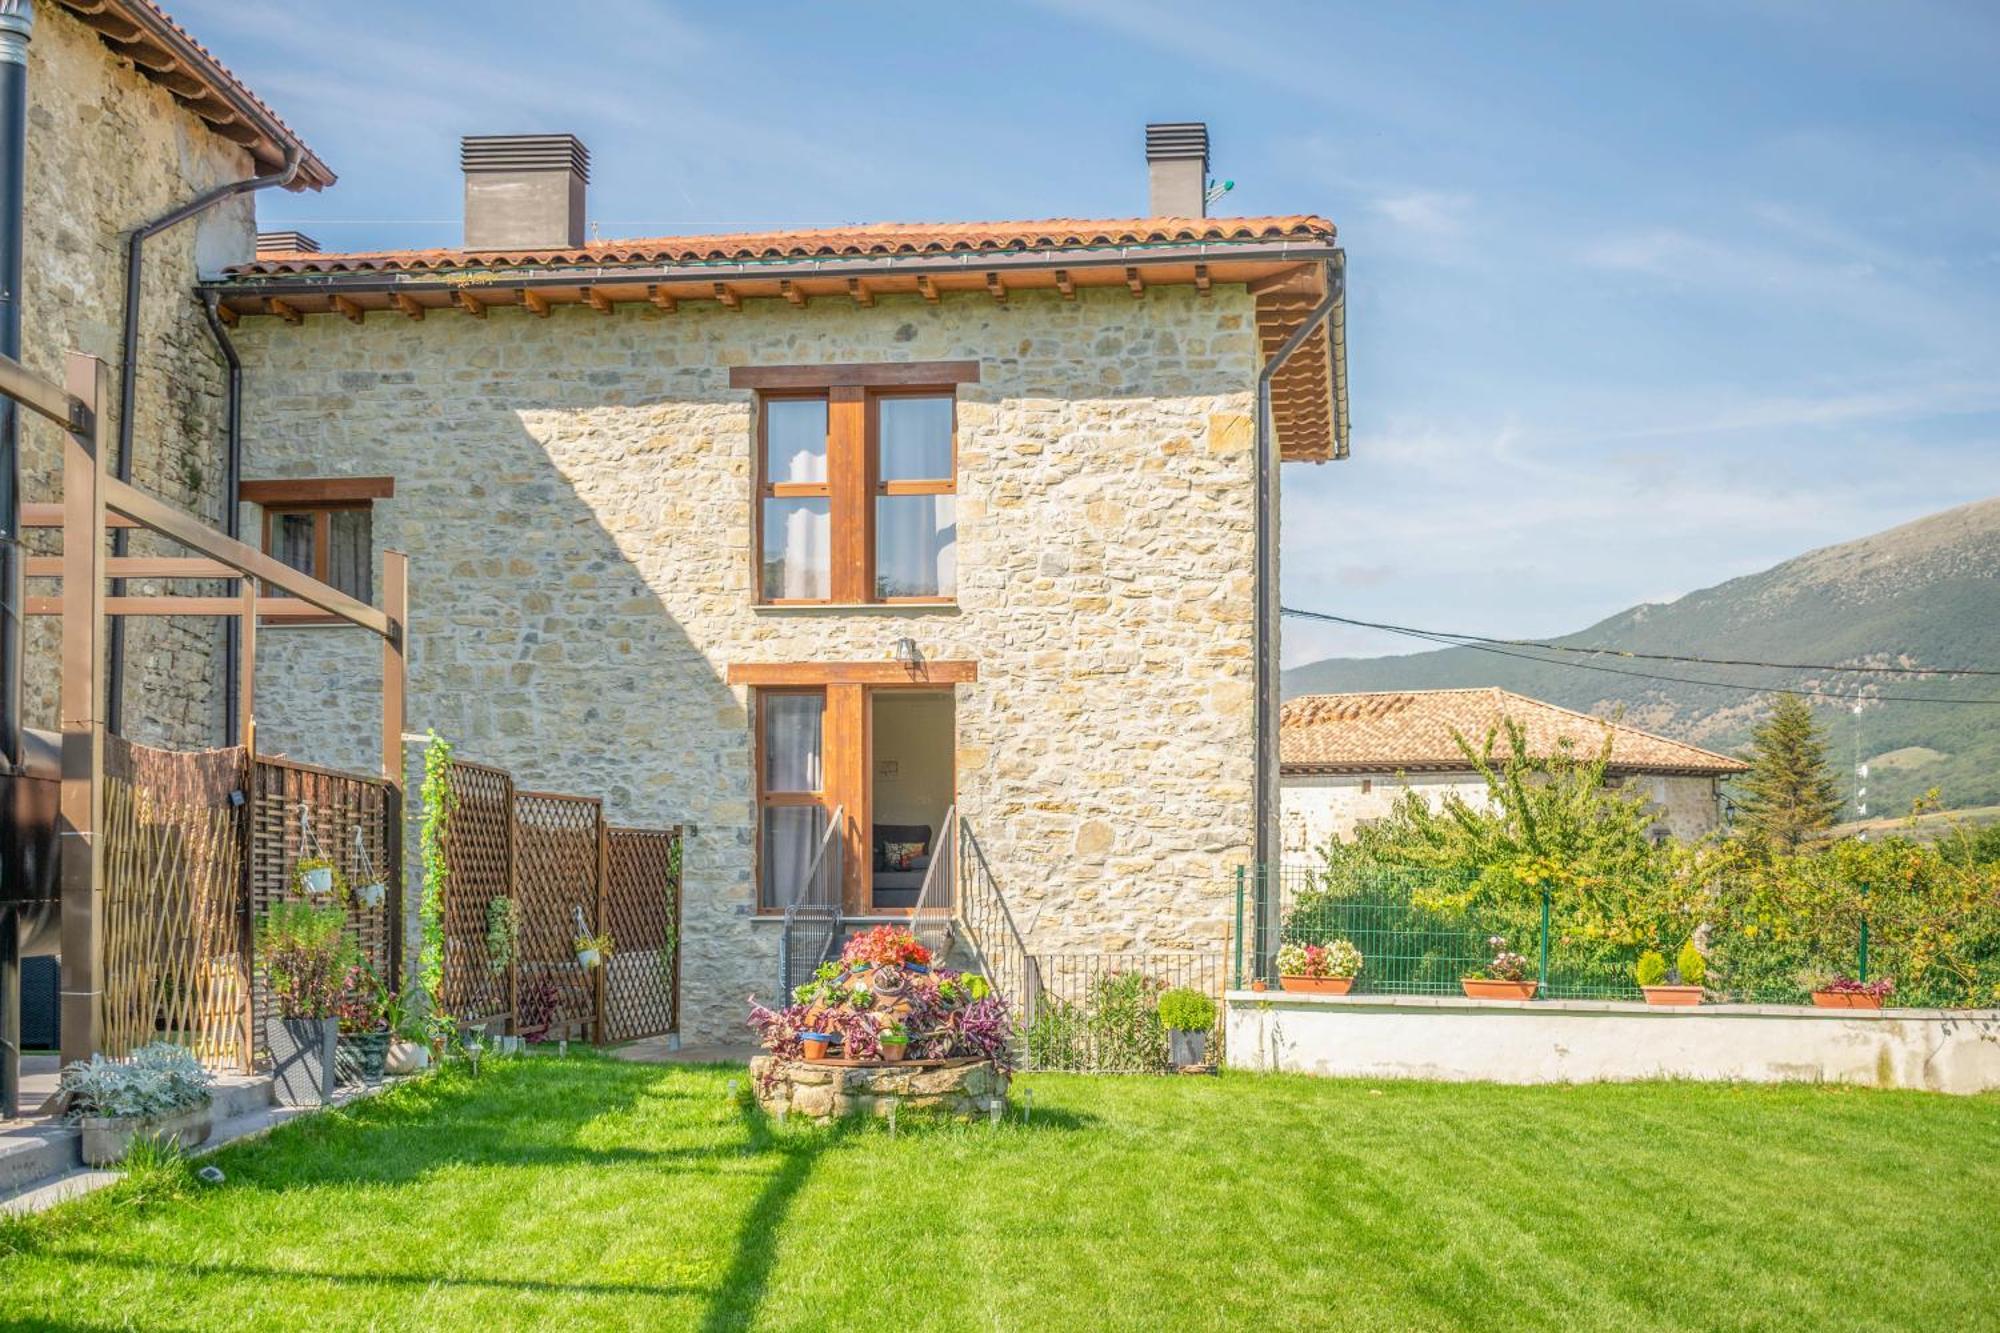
(1881, 990)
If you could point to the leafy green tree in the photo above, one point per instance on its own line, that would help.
(1789, 794)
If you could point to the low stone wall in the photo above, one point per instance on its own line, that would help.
(823, 1092)
(1586, 1041)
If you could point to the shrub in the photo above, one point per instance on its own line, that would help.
(1185, 1010)
(1336, 960)
(1691, 965)
(306, 953)
(1506, 965)
(1652, 968)
(160, 1078)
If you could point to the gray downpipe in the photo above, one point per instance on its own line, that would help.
(232, 485)
(128, 375)
(17, 26)
(1267, 596)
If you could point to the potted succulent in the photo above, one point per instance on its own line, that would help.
(1678, 985)
(1505, 978)
(592, 950)
(316, 877)
(895, 1039)
(813, 1045)
(1188, 1016)
(161, 1094)
(306, 954)
(1847, 993)
(363, 1050)
(1319, 969)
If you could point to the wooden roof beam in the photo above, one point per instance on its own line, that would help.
(997, 288)
(470, 304)
(858, 292)
(1065, 284)
(227, 314)
(348, 309)
(927, 288)
(662, 298)
(791, 292)
(727, 295)
(1201, 282)
(284, 310)
(599, 301)
(538, 305)
(407, 304)
(1135, 283)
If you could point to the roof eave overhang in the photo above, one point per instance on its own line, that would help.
(1611, 770)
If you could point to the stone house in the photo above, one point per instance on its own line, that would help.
(129, 118)
(745, 531)
(1346, 758)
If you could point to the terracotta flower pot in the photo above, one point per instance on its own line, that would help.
(1846, 999)
(814, 1045)
(1260, 985)
(1672, 995)
(1317, 985)
(892, 1051)
(1477, 989)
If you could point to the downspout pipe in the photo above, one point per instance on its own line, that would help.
(232, 486)
(128, 376)
(1266, 800)
(17, 26)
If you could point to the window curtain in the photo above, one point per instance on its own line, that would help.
(808, 560)
(349, 553)
(916, 546)
(292, 540)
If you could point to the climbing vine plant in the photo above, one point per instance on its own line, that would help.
(438, 801)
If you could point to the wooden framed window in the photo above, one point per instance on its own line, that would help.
(791, 790)
(324, 527)
(857, 480)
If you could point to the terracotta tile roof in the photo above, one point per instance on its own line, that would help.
(168, 54)
(875, 239)
(1413, 730)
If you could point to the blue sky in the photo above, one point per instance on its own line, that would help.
(1643, 296)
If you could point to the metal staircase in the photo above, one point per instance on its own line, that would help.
(963, 920)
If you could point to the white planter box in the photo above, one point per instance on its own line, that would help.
(106, 1139)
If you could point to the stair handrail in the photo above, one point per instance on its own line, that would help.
(809, 896)
(994, 933)
(931, 918)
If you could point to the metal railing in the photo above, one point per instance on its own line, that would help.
(812, 917)
(1099, 1013)
(931, 918)
(986, 927)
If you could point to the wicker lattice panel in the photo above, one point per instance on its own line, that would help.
(478, 850)
(290, 799)
(555, 877)
(174, 965)
(642, 899)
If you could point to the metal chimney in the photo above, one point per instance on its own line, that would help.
(524, 191)
(1177, 169)
(285, 243)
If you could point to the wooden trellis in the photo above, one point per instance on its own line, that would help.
(558, 868)
(479, 859)
(642, 911)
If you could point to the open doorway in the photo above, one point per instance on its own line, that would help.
(912, 789)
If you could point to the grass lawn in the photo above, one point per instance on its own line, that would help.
(590, 1193)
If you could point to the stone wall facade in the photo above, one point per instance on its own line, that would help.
(575, 496)
(108, 150)
(1316, 807)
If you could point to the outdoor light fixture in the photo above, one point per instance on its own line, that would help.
(907, 654)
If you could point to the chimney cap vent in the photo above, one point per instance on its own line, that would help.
(1168, 141)
(524, 152)
(286, 243)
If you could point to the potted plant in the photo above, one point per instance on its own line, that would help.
(161, 1094)
(1679, 985)
(306, 953)
(1843, 992)
(1319, 969)
(813, 1045)
(895, 1039)
(1505, 978)
(407, 1052)
(363, 1050)
(371, 895)
(316, 877)
(1188, 1016)
(591, 950)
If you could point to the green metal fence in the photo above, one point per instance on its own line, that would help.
(1413, 946)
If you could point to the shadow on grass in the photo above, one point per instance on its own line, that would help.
(734, 1303)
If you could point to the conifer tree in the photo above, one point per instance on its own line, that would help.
(1790, 793)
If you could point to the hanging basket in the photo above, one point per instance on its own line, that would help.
(372, 896)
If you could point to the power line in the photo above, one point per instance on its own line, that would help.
(1606, 651)
(1483, 646)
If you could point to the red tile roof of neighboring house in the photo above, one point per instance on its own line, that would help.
(1411, 730)
(168, 54)
(861, 240)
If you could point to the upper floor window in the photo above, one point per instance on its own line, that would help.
(857, 482)
(324, 527)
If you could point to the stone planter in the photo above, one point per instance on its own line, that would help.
(106, 1139)
(1187, 1048)
(302, 1059)
(1672, 995)
(1476, 989)
(822, 1092)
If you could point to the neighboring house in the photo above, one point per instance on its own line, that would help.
(129, 118)
(1348, 757)
(743, 530)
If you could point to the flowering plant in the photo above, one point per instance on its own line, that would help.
(1506, 965)
(939, 1015)
(1881, 990)
(1337, 960)
(886, 944)
(362, 1000)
